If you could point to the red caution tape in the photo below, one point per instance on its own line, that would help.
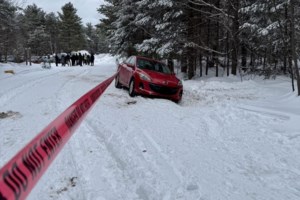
(22, 172)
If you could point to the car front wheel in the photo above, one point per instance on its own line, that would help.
(117, 83)
(131, 88)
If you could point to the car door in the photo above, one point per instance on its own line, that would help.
(123, 71)
(128, 70)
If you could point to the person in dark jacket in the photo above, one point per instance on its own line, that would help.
(80, 59)
(56, 60)
(63, 60)
(68, 58)
(92, 59)
(73, 58)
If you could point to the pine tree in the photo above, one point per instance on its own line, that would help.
(125, 34)
(106, 27)
(7, 28)
(163, 30)
(52, 28)
(33, 25)
(70, 29)
(101, 42)
(227, 33)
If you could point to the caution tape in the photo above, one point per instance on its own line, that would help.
(22, 172)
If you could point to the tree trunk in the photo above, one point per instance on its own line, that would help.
(207, 43)
(227, 54)
(244, 56)
(183, 63)
(191, 65)
(171, 65)
(235, 31)
(207, 65)
(293, 45)
(200, 63)
(265, 59)
(285, 49)
(292, 73)
(217, 42)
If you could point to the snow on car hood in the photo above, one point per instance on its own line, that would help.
(161, 78)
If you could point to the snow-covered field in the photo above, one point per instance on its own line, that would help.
(226, 140)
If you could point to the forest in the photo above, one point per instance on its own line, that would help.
(239, 36)
(257, 36)
(45, 33)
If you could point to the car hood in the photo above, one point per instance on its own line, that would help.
(161, 78)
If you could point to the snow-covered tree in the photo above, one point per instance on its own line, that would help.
(211, 28)
(7, 28)
(71, 31)
(163, 27)
(33, 28)
(265, 29)
(166, 28)
(52, 28)
(123, 33)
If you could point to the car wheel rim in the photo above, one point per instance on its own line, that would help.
(131, 87)
(117, 81)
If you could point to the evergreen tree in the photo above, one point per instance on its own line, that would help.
(96, 39)
(126, 34)
(52, 28)
(7, 28)
(262, 29)
(71, 31)
(33, 25)
(109, 9)
(101, 41)
(90, 35)
(106, 28)
(163, 30)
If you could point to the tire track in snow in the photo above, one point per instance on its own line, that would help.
(162, 162)
(10, 94)
(171, 176)
(9, 140)
(60, 186)
(142, 158)
(68, 148)
(130, 161)
(265, 112)
(258, 153)
(118, 173)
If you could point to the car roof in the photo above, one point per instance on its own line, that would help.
(147, 58)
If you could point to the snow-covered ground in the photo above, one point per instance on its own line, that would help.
(226, 140)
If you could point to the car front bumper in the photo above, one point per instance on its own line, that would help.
(159, 90)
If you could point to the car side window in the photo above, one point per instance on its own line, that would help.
(127, 61)
(132, 61)
(157, 67)
(140, 64)
(144, 64)
(148, 65)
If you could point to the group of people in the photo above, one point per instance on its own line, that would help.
(75, 59)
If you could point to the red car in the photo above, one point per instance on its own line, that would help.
(148, 77)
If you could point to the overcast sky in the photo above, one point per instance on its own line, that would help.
(86, 9)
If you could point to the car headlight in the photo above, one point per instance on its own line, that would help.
(144, 77)
(179, 83)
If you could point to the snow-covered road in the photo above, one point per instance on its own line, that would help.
(226, 140)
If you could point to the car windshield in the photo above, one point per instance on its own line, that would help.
(153, 66)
